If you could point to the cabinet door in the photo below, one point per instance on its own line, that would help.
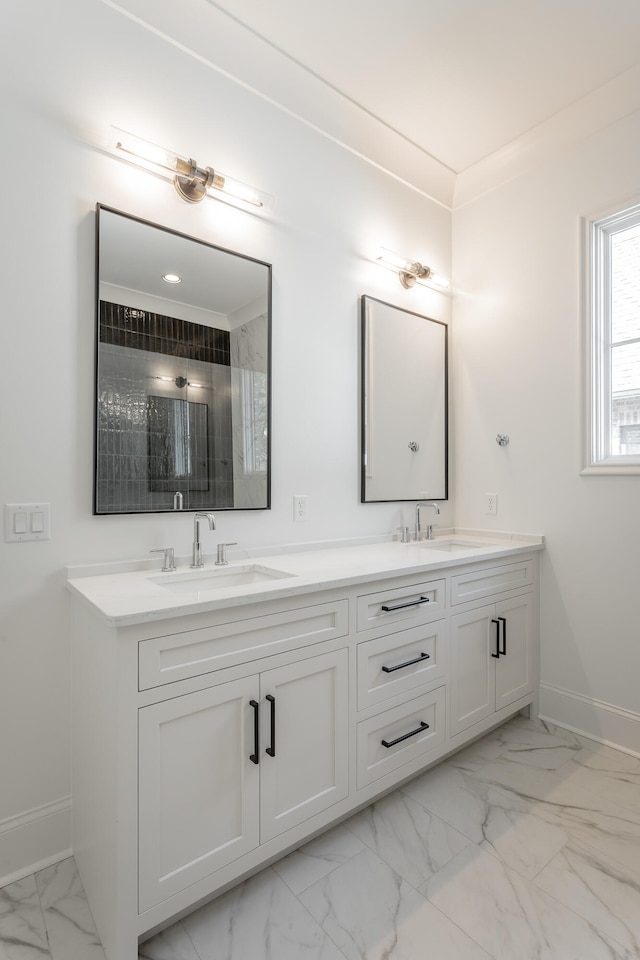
(309, 769)
(473, 639)
(514, 670)
(198, 789)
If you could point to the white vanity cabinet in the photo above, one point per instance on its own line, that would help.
(210, 741)
(228, 767)
(492, 644)
(400, 676)
(199, 792)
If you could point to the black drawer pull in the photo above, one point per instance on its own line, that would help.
(409, 663)
(255, 757)
(272, 749)
(496, 655)
(405, 736)
(403, 606)
(503, 621)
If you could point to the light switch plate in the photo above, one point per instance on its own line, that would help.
(27, 521)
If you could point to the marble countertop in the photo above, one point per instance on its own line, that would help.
(138, 592)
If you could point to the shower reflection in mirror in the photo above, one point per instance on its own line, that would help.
(183, 391)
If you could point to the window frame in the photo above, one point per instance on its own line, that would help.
(597, 233)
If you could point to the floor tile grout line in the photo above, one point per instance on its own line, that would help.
(32, 877)
(591, 923)
(189, 938)
(598, 853)
(457, 925)
(316, 922)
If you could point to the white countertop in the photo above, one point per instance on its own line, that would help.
(128, 596)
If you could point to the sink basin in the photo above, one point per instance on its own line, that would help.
(450, 546)
(199, 581)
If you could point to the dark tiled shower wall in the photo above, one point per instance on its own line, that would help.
(123, 470)
(143, 330)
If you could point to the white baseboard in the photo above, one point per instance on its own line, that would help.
(33, 840)
(603, 722)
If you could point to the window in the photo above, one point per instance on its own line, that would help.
(613, 342)
(254, 420)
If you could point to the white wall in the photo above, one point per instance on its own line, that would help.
(67, 71)
(517, 341)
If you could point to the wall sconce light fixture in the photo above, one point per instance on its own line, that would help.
(180, 382)
(192, 182)
(411, 272)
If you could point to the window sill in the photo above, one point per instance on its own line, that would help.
(618, 467)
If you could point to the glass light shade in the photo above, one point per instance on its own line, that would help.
(152, 156)
(423, 275)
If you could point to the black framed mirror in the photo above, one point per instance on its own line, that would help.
(404, 404)
(183, 372)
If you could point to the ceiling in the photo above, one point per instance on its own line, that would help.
(459, 79)
(134, 256)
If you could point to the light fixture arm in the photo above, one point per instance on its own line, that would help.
(192, 181)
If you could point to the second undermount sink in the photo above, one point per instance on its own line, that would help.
(199, 581)
(449, 545)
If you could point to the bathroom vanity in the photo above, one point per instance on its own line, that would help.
(224, 716)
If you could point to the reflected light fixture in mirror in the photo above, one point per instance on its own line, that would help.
(192, 182)
(411, 272)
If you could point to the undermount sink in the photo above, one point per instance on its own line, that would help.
(450, 546)
(199, 581)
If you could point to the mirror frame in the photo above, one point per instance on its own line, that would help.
(100, 207)
(364, 391)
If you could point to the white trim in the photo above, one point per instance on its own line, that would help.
(604, 722)
(609, 467)
(563, 131)
(34, 839)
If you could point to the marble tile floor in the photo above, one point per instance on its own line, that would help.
(524, 846)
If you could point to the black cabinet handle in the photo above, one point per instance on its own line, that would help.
(255, 757)
(405, 736)
(409, 663)
(403, 606)
(496, 655)
(503, 621)
(272, 749)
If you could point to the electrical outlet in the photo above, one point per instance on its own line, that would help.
(300, 507)
(491, 504)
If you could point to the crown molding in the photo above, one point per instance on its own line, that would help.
(209, 35)
(604, 106)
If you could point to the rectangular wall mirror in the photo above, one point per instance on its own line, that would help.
(183, 364)
(404, 404)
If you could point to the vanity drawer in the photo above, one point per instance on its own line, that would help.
(476, 584)
(405, 605)
(401, 662)
(396, 737)
(195, 652)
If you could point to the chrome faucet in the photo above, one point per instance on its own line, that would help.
(196, 556)
(418, 529)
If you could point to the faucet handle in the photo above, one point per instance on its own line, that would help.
(221, 555)
(405, 534)
(169, 562)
